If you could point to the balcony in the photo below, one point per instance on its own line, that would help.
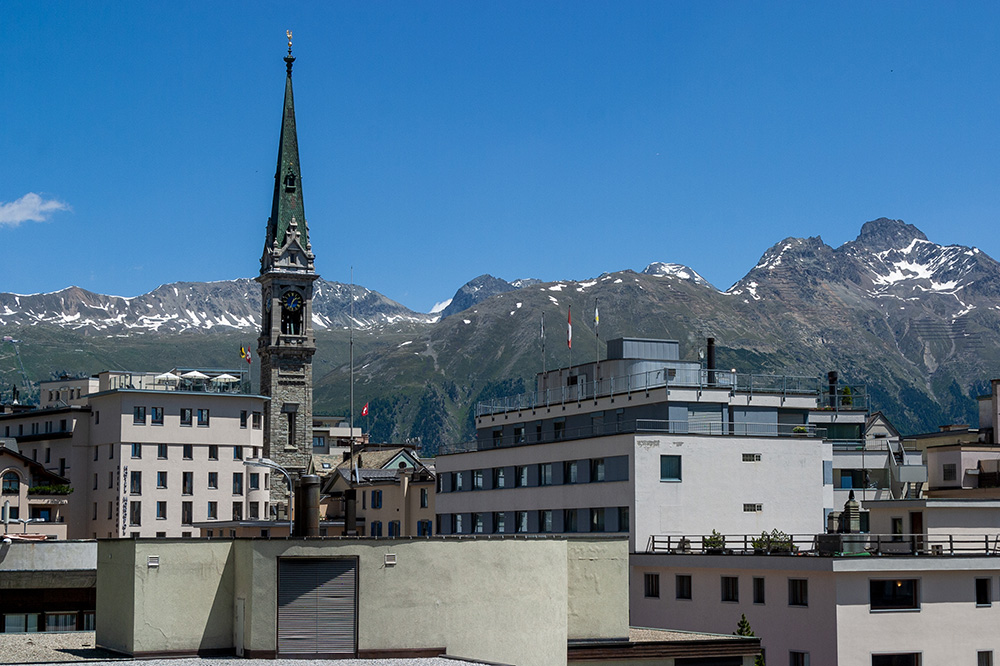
(828, 545)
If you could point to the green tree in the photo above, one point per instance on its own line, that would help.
(744, 629)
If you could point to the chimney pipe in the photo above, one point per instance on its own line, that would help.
(831, 378)
(710, 360)
(307, 506)
(350, 512)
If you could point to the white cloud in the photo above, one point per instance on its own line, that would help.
(29, 208)
(440, 306)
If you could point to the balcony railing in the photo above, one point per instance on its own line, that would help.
(819, 544)
(848, 398)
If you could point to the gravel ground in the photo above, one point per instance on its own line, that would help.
(46, 648)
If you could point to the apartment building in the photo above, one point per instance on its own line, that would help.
(31, 496)
(148, 454)
(393, 490)
(648, 444)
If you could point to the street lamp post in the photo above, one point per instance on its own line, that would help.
(270, 464)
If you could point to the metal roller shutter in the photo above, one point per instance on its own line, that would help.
(317, 606)
(705, 419)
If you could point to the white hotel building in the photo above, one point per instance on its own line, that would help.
(147, 457)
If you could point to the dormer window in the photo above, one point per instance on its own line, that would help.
(290, 182)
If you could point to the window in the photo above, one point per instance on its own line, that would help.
(984, 592)
(60, 621)
(478, 523)
(751, 457)
(984, 658)
(910, 659)
(597, 520)
(682, 586)
(902, 594)
(545, 520)
(237, 510)
(237, 483)
(186, 513)
(256, 420)
(456, 523)
(623, 519)
(161, 451)
(798, 592)
(187, 483)
(424, 498)
(237, 453)
(111, 451)
(424, 528)
(161, 510)
(949, 471)
(213, 511)
(499, 522)
(188, 452)
(243, 419)
(477, 479)
(521, 477)
(135, 483)
(570, 520)
(156, 415)
(95, 453)
(597, 469)
(94, 515)
(730, 588)
(376, 499)
(457, 478)
(254, 481)
(213, 452)
(753, 508)
(521, 522)
(798, 658)
(95, 481)
(254, 508)
(570, 472)
(135, 513)
(651, 584)
(376, 528)
(394, 528)
(758, 590)
(111, 479)
(185, 416)
(111, 511)
(545, 474)
(213, 480)
(161, 479)
(559, 428)
(670, 468)
(498, 478)
(137, 450)
(203, 417)
(11, 483)
(897, 529)
(139, 415)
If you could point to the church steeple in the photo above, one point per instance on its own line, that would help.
(287, 203)
(286, 343)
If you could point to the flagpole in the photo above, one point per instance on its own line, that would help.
(597, 332)
(543, 344)
(351, 425)
(569, 334)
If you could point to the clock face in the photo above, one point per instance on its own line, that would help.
(291, 301)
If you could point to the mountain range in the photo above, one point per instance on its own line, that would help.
(914, 320)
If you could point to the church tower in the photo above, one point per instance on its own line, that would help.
(286, 344)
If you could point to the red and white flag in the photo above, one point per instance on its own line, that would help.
(569, 328)
(364, 410)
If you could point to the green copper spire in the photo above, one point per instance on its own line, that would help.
(287, 203)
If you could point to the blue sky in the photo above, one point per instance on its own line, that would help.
(442, 140)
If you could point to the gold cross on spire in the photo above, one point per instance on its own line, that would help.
(288, 33)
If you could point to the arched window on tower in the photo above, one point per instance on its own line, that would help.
(289, 182)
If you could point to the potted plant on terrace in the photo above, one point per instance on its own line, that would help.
(713, 543)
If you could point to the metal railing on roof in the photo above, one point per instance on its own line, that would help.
(813, 544)
(847, 398)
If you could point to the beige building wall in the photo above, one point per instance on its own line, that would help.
(513, 601)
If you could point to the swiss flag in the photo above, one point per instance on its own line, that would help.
(569, 328)
(364, 410)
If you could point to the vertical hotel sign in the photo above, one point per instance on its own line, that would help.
(122, 485)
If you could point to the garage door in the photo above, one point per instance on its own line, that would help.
(317, 606)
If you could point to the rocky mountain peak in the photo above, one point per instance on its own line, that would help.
(680, 271)
(475, 291)
(885, 234)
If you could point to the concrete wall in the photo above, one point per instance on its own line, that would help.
(598, 586)
(49, 556)
(183, 605)
(512, 601)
